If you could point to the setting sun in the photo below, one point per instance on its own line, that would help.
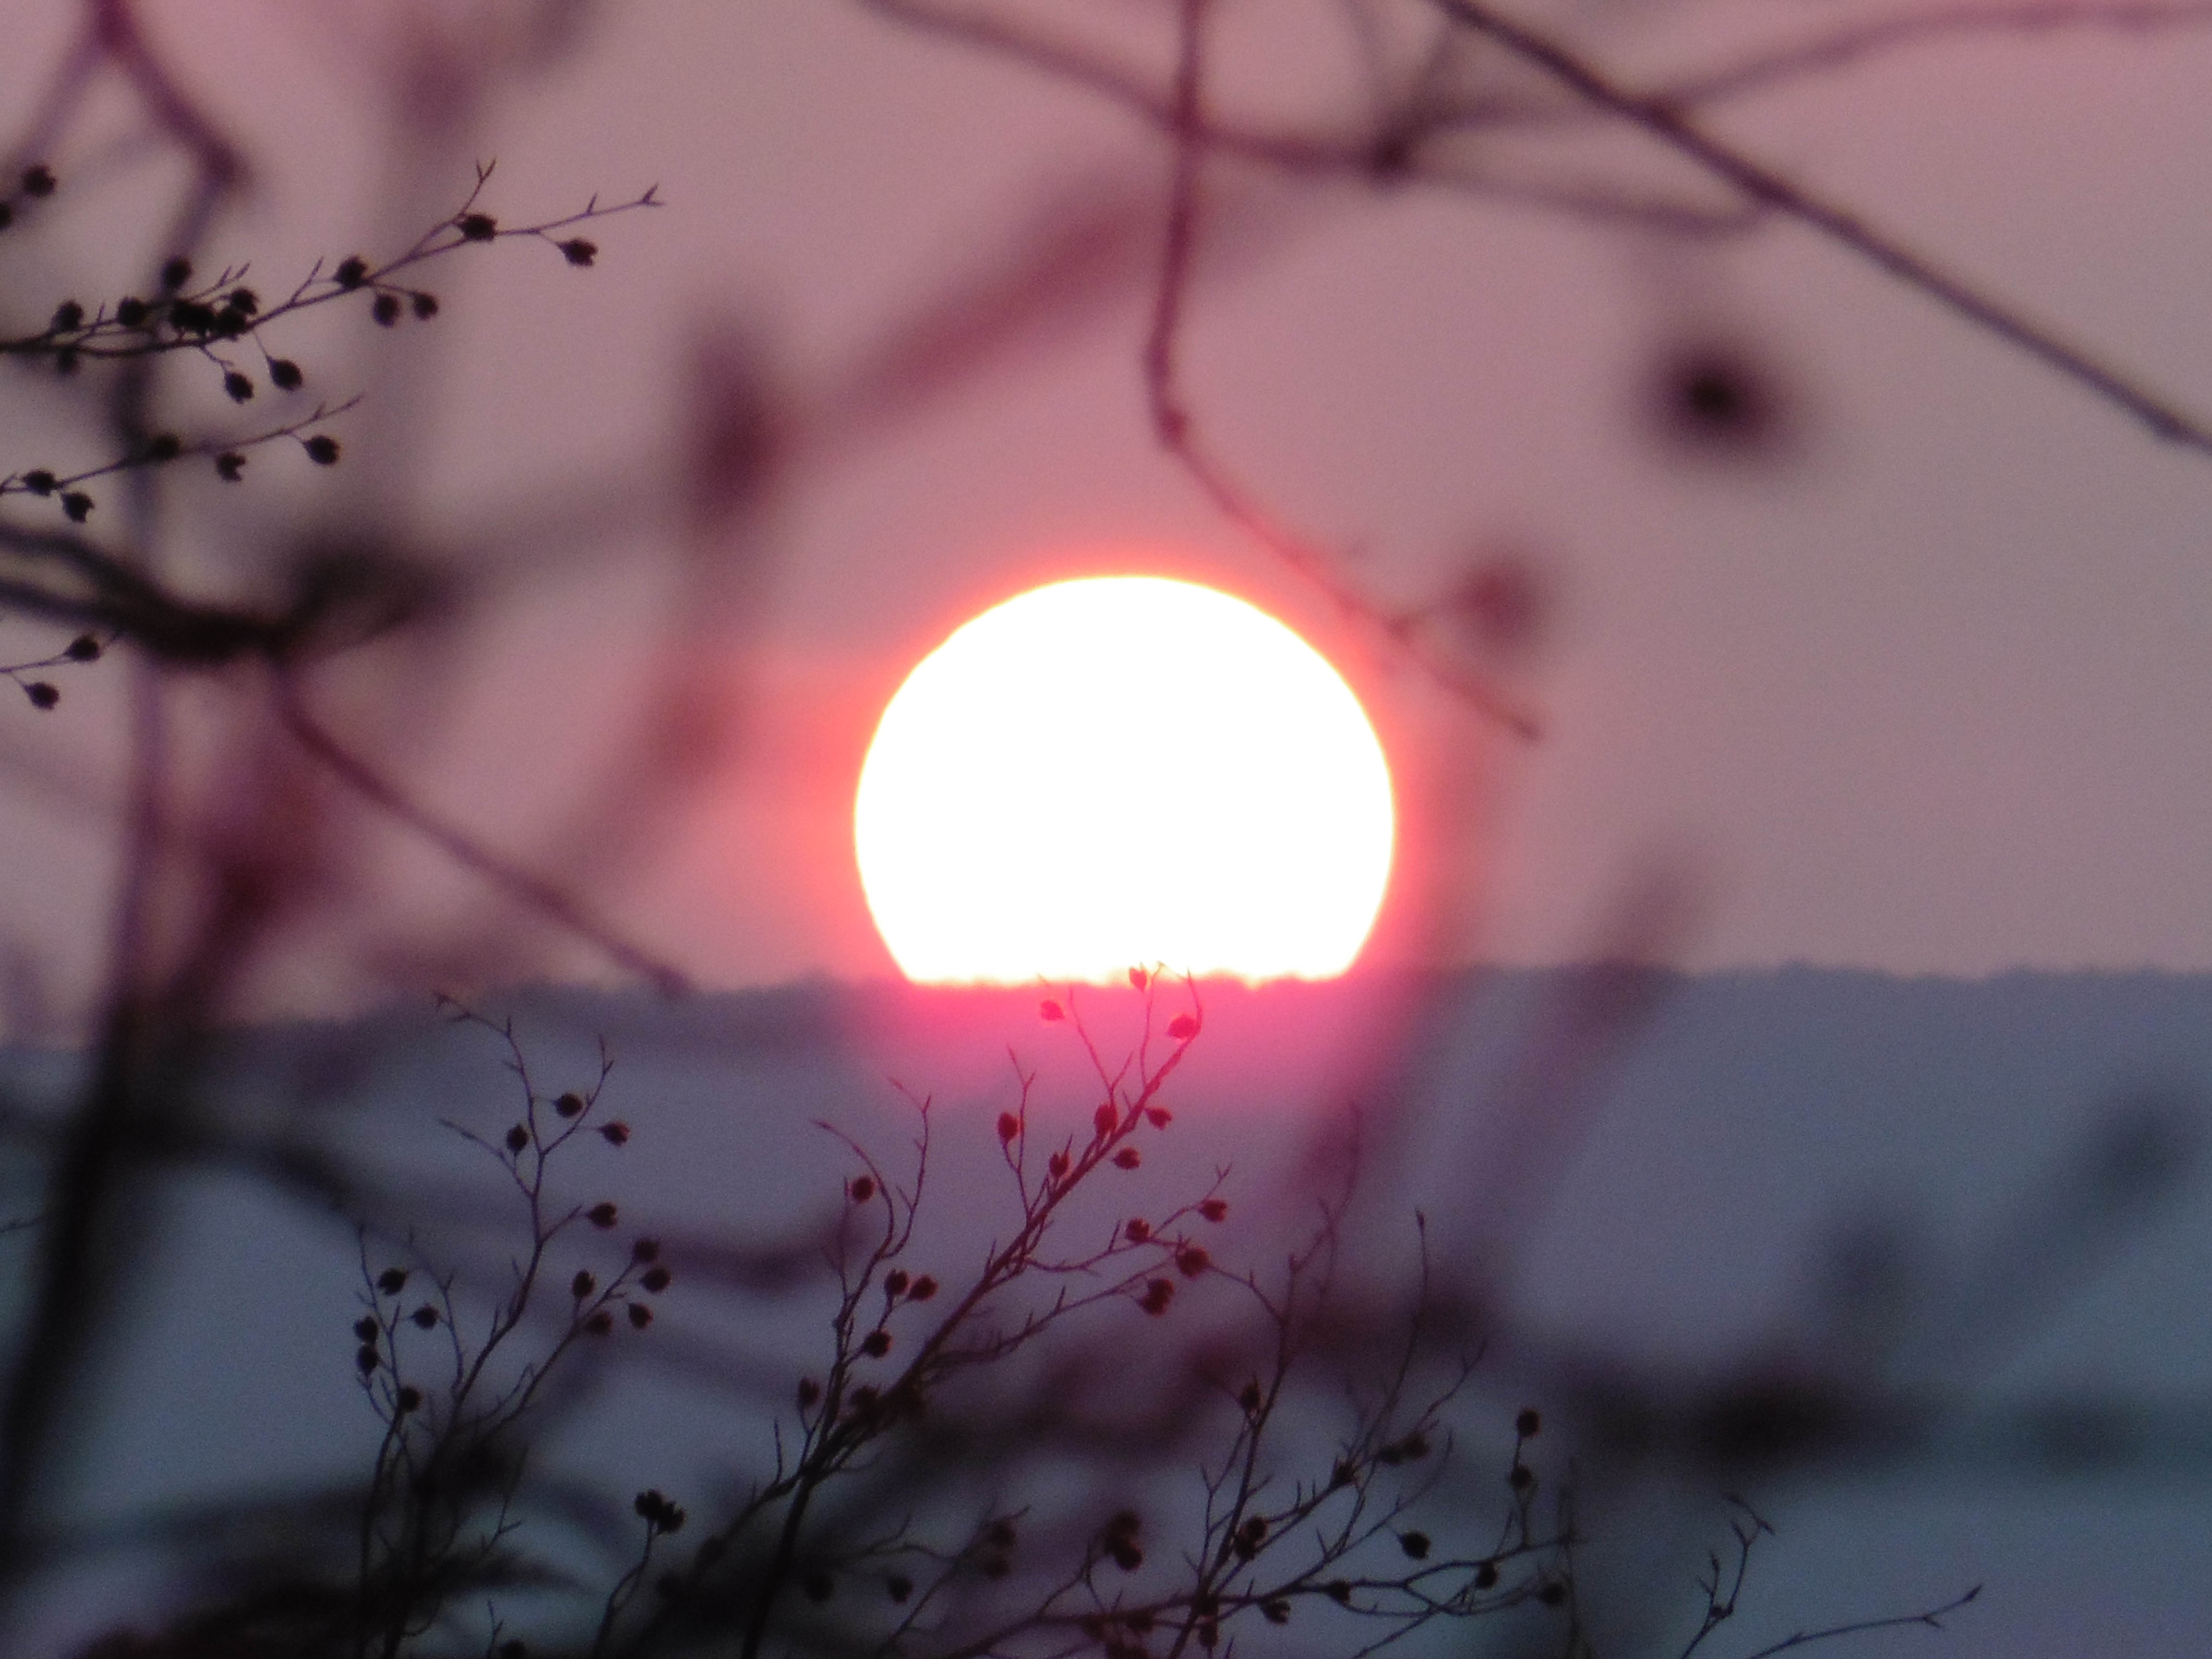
(1123, 770)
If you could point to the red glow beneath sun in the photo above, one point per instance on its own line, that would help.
(1123, 770)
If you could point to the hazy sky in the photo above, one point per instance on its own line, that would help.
(1925, 693)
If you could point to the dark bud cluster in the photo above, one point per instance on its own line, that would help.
(1119, 1541)
(391, 1281)
(477, 226)
(578, 251)
(657, 1512)
(602, 1215)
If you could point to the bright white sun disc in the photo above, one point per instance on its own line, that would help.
(1123, 770)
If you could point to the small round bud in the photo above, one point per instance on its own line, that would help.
(1250, 1399)
(391, 1281)
(1158, 1293)
(230, 466)
(569, 1105)
(517, 1139)
(1158, 1116)
(365, 1357)
(39, 482)
(38, 181)
(411, 1399)
(367, 1330)
(1009, 1126)
(1521, 1478)
(898, 1587)
(862, 1189)
(77, 505)
(639, 1316)
(1138, 979)
(322, 449)
(1213, 1209)
(645, 1250)
(1105, 1118)
(386, 310)
(600, 1322)
(578, 251)
(42, 694)
(478, 227)
(924, 1288)
(895, 1283)
(1182, 1028)
(67, 315)
(1049, 1009)
(351, 273)
(176, 273)
(582, 1285)
(132, 313)
(1552, 1595)
(425, 305)
(1056, 1166)
(1415, 1543)
(614, 1134)
(1128, 1159)
(1485, 1575)
(876, 1344)
(656, 1280)
(809, 1391)
(1529, 1424)
(602, 1215)
(424, 1317)
(284, 374)
(1137, 1229)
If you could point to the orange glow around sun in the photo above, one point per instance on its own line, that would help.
(1117, 771)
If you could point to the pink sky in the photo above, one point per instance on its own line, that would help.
(1927, 696)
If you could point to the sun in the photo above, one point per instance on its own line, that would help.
(1123, 770)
